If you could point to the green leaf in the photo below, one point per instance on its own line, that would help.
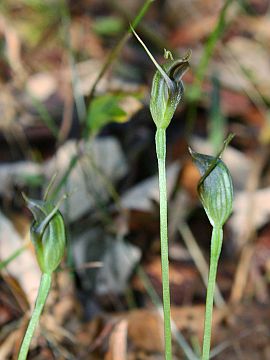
(31, 180)
(108, 25)
(103, 110)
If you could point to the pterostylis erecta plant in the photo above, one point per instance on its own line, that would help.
(216, 194)
(48, 236)
(167, 91)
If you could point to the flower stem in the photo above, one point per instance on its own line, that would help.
(43, 291)
(216, 244)
(161, 155)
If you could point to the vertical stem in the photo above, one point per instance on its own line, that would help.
(43, 291)
(115, 51)
(216, 244)
(161, 155)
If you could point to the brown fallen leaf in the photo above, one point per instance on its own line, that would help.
(193, 32)
(249, 207)
(145, 327)
(7, 346)
(145, 330)
(189, 178)
(184, 279)
(259, 26)
(13, 47)
(24, 268)
(191, 319)
(118, 342)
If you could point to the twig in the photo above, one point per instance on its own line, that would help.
(199, 260)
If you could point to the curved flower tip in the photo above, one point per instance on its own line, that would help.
(167, 94)
(167, 86)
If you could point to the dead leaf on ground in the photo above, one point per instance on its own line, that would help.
(193, 32)
(249, 207)
(41, 85)
(88, 182)
(185, 280)
(24, 268)
(258, 26)
(7, 346)
(145, 330)
(118, 342)
(141, 196)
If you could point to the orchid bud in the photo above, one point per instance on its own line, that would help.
(167, 90)
(167, 86)
(215, 188)
(47, 234)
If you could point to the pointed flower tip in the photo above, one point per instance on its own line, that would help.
(132, 29)
(25, 198)
(163, 73)
(187, 55)
(168, 55)
(191, 151)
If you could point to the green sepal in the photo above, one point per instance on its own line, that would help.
(47, 234)
(215, 187)
(167, 87)
(168, 91)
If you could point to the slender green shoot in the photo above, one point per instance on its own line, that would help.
(199, 260)
(49, 238)
(166, 93)
(216, 244)
(117, 49)
(195, 91)
(43, 292)
(211, 43)
(161, 155)
(13, 256)
(179, 338)
(217, 121)
(44, 115)
(216, 194)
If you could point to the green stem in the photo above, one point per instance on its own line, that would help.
(216, 244)
(161, 155)
(43, 292)
(4, 263)
(196, 89)
(116, 50)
